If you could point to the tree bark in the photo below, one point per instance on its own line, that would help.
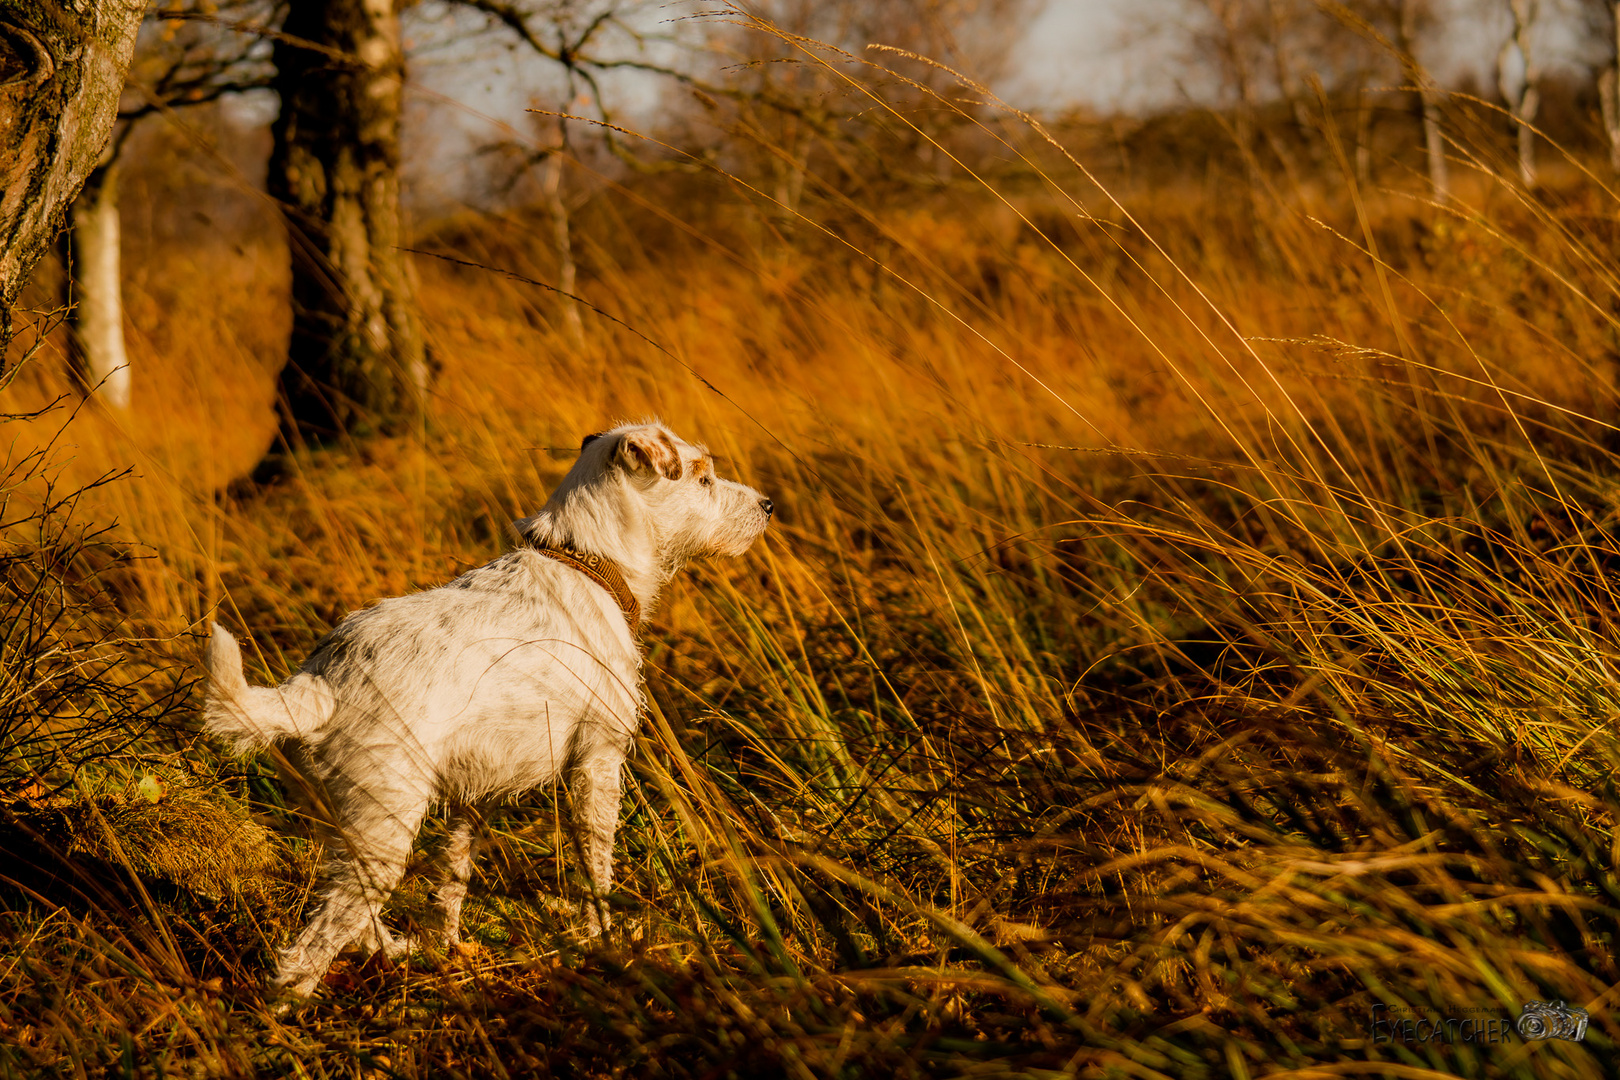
(1523, 97)
(551, 186)
(1429, 97)
(62, 68)
(1434, 144)
(1363, 139)
(356, 362)
(1609, 91)
(98, 311)
(1283, 68)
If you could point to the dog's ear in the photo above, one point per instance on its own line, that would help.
(651, 450)
(587, 440)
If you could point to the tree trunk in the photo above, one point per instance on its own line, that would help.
(789, 168)
(356, 362)
(62, 67)
(551, 185)
(1523, 97)
(1363, 139)
(1429, 97)
(1609, 92)
(1528, 107)
(98, 311)
(1434, 144)
(1287, 83)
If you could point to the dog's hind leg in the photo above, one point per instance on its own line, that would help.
(351, 905)
(456, 871)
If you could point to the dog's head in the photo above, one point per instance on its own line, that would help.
(646, 478)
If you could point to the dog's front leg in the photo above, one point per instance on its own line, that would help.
(596, 810)
(456, 872)
(378, 939)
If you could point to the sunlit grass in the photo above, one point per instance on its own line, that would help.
(1183, 629)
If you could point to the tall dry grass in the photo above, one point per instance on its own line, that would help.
(1188, 626)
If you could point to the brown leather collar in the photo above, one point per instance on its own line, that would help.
(602, 570)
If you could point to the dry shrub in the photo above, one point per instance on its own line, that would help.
(199, 841)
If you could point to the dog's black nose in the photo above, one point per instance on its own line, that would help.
(765, 505)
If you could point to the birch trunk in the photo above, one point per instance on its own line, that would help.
(551, 185)
(1523, 97)
(1434, 143)
(62, 68)
(1609, 92)
(356, 363)
(1429, 97)
(98, 313)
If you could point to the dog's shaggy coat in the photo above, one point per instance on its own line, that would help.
(486, 687)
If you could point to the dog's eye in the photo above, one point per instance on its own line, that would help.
(707, 481)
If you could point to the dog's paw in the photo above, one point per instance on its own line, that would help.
(379, 940)
(597, 920)
(283, 998)
(397, 947)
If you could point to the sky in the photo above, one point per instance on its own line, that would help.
(1130, 56)
(469, 93)
(1106, 55)
(1124, 54)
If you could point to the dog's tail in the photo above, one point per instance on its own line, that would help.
(254, 717)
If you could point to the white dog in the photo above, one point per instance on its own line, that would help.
(485, 687)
